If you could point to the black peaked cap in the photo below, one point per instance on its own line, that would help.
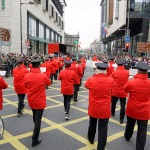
(111, 57)
(143, 66)
(74, 59)
(20, 60)
(101, 66)
(105, 61)
(37, 60)
(120, 61)
(68, 62)
(35, 56)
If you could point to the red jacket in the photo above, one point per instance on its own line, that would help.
(3, 85)
(19, 74)
(48, 68)
(56, 60)
(94, 58)
(83, 65)
(61, 62)
(35, 82)
(78, 70)
(83, 60)
(67, 78)
(100, 86)
(53, 66)
(67, 58)
(138, 105)
(120, 77)
(110, 69)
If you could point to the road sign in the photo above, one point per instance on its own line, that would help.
(127, 39)
(76, 41)
(143, 47)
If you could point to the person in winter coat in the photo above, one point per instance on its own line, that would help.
(120, 77)
(35, 82)
(138, 105)
(67, 78)
(48, 68)
(53, 66)
(3, 85)
(100, 86)
(79, 73)
(19, 74)
(110, 69)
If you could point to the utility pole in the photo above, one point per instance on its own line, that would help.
(128, 24)
(148, 38)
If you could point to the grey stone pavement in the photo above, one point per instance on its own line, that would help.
(56, 132)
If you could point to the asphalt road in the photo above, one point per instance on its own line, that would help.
(56, 132)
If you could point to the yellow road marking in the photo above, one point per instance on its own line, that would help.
(13, 141)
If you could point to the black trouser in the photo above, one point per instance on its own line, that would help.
(76, 89)
(122, 104)
(55, 75)
(60, 69)
(20, 102)
(52, 75)
(67, 100)
(80, 81)
(37, 117)
(102, 131)
(141, 132)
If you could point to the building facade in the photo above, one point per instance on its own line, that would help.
(96, 47)
(134, 24)
(72, 42)
(39, 21)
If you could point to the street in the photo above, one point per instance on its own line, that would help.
(56, 132)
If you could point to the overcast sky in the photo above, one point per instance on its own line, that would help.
(83, 16)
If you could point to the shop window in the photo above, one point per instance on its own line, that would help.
(41, 30)
(32, 26)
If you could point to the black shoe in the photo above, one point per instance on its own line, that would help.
(75, 100)
(36, 142)
(127, 139)
(19, 114)
(91, 142)
(121, 121)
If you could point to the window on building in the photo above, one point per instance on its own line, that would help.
(41, 48)
(32, 26)
(60, 39)
(136, 5)
(47, 2)
(52, 36)
(41, 30)
(56, 37)
(47, 34)
(52, 11)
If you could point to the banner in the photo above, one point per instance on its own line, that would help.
(104, 29)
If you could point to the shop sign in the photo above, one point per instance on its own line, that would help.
(3, 4)
(143, 47)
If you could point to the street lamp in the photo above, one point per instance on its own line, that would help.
(30, 3)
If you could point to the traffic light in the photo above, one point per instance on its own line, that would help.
(30, 46)
(127, 46)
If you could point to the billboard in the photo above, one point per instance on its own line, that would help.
(143, 47)
(4, 36)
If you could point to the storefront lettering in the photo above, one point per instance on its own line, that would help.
(3, 4)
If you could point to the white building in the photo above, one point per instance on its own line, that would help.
(41, 22)
(96, 46)
(125, 21)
